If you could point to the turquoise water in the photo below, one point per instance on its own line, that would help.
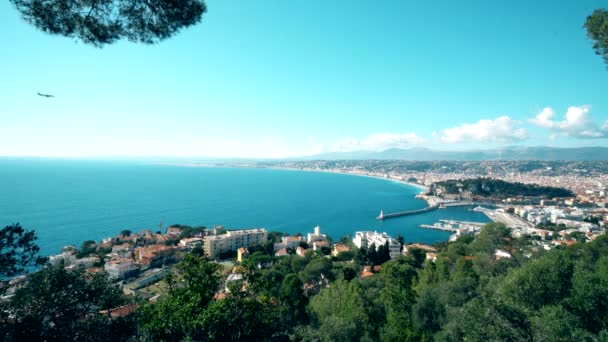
(69, 201)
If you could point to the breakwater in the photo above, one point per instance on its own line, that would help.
(384, 216)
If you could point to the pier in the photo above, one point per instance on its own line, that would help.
(384, 216)
(445, 228)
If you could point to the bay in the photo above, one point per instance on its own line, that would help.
(69, 201)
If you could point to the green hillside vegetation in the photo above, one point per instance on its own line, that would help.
(496, 188)
(465, 295)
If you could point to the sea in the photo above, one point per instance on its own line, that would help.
(68, 201)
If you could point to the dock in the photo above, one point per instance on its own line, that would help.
(438, 227)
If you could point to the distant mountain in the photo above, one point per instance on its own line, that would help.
(506, 153)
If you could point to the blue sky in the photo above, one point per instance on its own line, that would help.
(282, 78)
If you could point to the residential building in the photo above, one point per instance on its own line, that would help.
(233, 240)
(154, 255)
(120, 268)
(367, 238)
(190, 243)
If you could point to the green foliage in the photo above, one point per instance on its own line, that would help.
(100, 22)
(555, 323)
(597, 30)
(17, 250)
(239, 319)
(589, 295)
(87, 248)
(339, 311)
(398, 297)
(61, 305)
(491, 237)
(488, 187)
(544, 281)
(319, 268)
(191, 290)
(493, 320)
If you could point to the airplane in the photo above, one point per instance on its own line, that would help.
(45, 95)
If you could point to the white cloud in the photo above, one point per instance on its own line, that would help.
(502, 129)
(576, 123)
(377, 142)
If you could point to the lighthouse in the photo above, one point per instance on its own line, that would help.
(381, 216)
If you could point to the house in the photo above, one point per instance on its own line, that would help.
(339, 248)
(317, 245)
(242, 254)
(281, 252)
(154, 255)
(500, 254)
(122, 250)
(175, 231)
(289, 242)
(301, 251)
(426, 248)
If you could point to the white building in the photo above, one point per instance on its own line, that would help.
(316, 236)
(367, 238)
(67, 258)
(120, 268)
(233, 240)
(289, 242)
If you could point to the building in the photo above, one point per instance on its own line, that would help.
(190, 243)
(175, 231)
(301, 251)
(233, 240)
(316, 236)
(339, 248)
(317, 245)
(289, 242)
(120, 268)
(367, 238)
(281, 252)
(154, 255)
(242, 254)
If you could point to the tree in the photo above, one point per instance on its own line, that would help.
(543, 281)
(125, 233)
(239, 319)
(190, 291)
(102, 22)
(597, 29)
(17, 250)
(292, 294)
(339, 311)
(398, 298)
(61, 305)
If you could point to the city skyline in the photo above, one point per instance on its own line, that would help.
(287, 80)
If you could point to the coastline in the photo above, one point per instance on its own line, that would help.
(415, 185)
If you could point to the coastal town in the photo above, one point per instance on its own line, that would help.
(137, 261)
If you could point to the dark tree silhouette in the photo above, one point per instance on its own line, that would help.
(102, 22)
(597, 30)
(17, 250)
